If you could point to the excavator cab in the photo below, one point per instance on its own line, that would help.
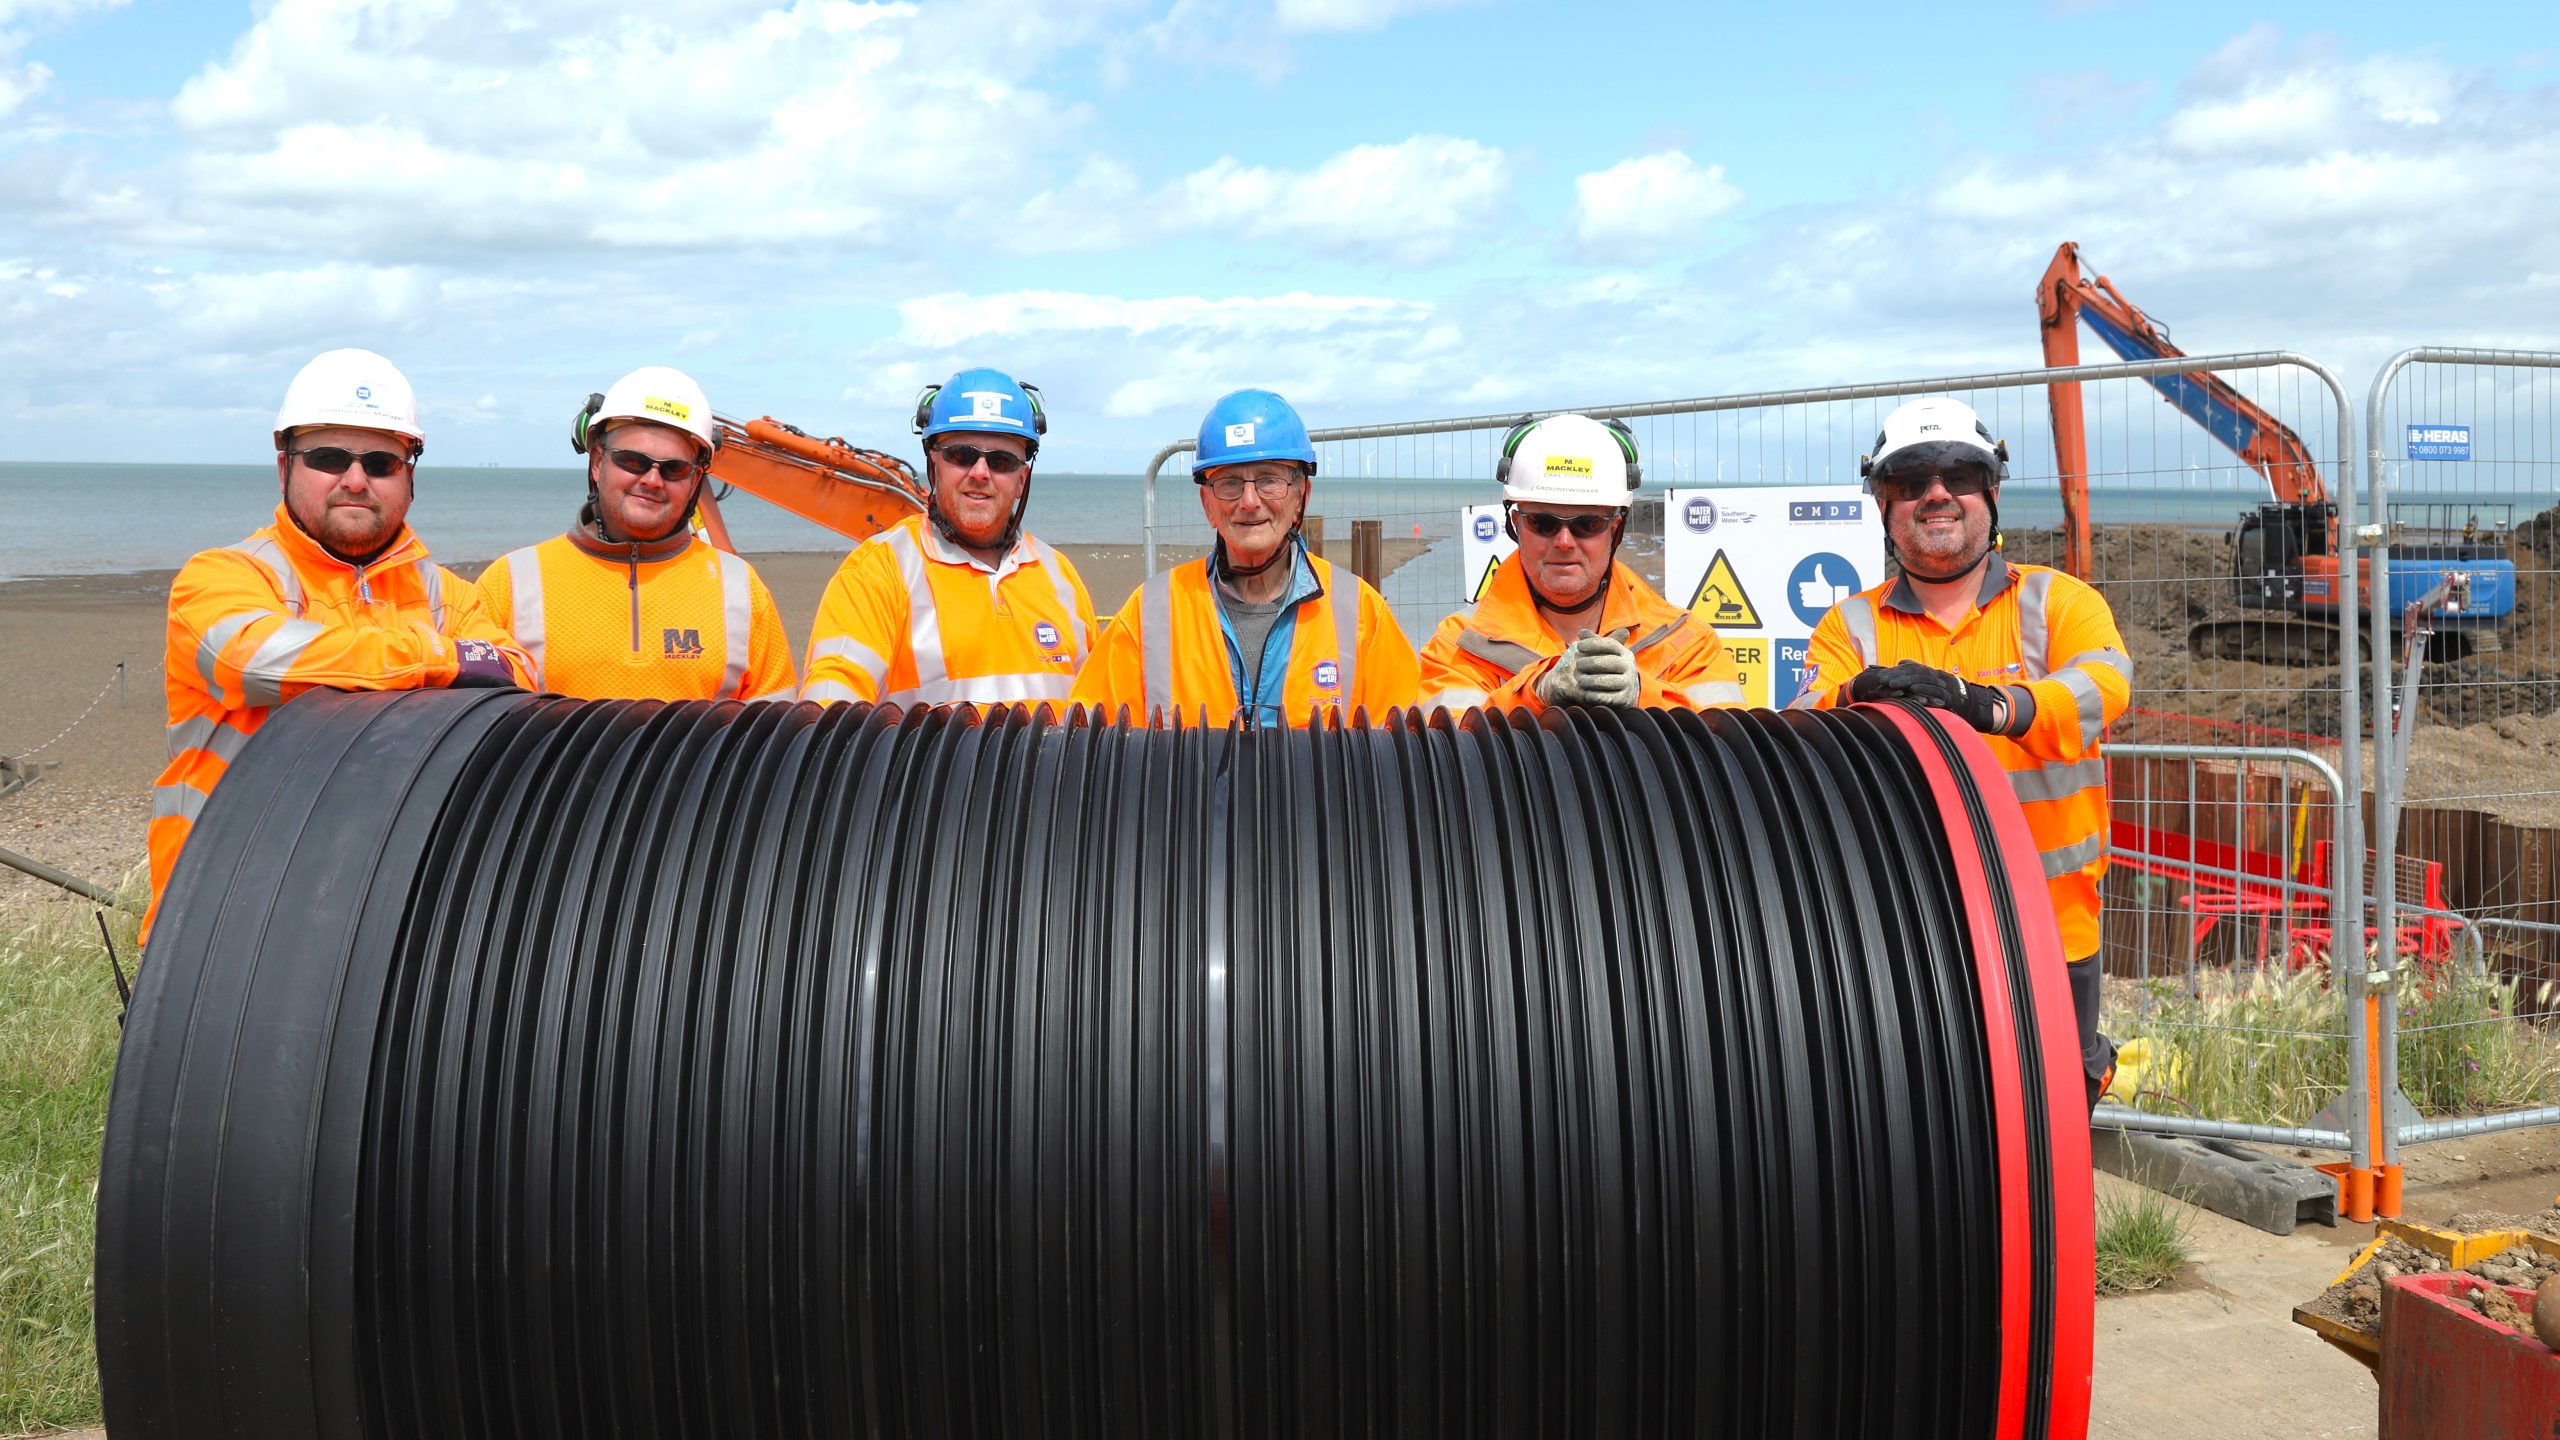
(2270, 551)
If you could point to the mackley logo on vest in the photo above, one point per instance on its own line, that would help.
(682, 644)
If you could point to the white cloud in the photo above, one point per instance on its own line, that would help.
(23, 80)
(1307, 16)
(383, 127)
(1416, 201)
(1647, 207)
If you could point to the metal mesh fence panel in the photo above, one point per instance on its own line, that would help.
(2464, 447)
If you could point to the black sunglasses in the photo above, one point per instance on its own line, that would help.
(1960, 481)
(999, 462)
(632, 462)
(1545, 525)
(334, 460)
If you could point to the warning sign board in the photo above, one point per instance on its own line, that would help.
(1764, 564)
(1483, 544)
(1720, 594)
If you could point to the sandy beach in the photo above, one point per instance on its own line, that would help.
(62, 639)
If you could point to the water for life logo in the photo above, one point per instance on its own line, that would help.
(1485, 528)
(1328, 676)
(1699, 514)
(1820, 581)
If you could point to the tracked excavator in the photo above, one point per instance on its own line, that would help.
(853, 491)
(2284, 553)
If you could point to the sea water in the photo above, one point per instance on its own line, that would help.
(78, 519)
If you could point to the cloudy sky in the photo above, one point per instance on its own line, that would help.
(1386, 209)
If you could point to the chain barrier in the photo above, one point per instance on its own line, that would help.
(113, 681)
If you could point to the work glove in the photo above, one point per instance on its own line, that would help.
(1593, 670)
(482, 666)
(1915, 683)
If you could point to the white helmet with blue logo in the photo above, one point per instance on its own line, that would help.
(353, 388)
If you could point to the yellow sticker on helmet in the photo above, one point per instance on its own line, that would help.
(672, 409)
(1568, 464)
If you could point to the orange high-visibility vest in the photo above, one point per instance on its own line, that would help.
(697, 624)
(910, 619)
(2033, 628)
(255, 624)
(1494, 657)
(1169, 652)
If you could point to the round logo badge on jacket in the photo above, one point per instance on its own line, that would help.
(1046, 634)
(1328, 675)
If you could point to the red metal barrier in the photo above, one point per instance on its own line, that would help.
(2447, 1370)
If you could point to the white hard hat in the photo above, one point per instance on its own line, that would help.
(1931, 433)
(660, 393)
(1569, 460)
(354, 388)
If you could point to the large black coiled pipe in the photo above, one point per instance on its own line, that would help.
(509, 1066)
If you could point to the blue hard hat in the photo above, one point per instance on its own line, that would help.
(987, 401)
(1252, 425)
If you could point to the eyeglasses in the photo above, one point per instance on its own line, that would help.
(1544, 524)
(632, 462)
(999, 462)
(1960, 481)
(1269, 487)
(333, 460)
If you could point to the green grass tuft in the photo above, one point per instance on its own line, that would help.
(2142, 1239)
(57, 1057)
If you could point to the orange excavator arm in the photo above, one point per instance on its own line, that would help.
(2065, 299)
(857, 493)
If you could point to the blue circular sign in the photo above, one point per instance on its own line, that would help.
(1699, 514)
(1484, 527)
(1820, 581)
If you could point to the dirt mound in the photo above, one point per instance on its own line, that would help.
(2483, 688)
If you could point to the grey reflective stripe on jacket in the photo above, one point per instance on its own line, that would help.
(924, 617)
(1510, 656)
(262, 678)
(2058, 781)
(524, 574)
(178, 801)
(1066, 595)
(218, 638)
(863, 658)
(205, 733)
(431, 579)
(1155, 640)
(1858, 617)
(737, 612)
(1346, 634)
(1716, 692)
(267, 552)
(2070, 859)
(2035, 636)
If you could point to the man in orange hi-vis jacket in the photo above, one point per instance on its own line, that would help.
(1258, 625)
(630, 604)
(1561, 621)
(2026, 655)
(959, 604)
(336, 593)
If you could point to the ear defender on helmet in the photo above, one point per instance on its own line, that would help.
(1039, 416)
(924, 407)
(578, 422)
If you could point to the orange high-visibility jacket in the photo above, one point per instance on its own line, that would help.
(1170, 652)
(2032, 628)
(910, 619)
(1495, 657)
(694, 624)
(255, 624)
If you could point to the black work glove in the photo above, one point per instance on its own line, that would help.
(483, 666)
(1915, 683)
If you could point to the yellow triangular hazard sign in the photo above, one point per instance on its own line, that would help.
(1486, 578)
(1720, 591)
